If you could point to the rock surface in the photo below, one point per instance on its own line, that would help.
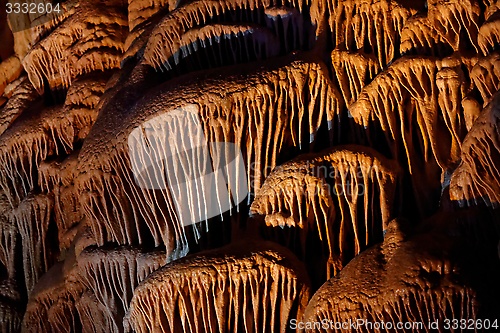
(196, 166)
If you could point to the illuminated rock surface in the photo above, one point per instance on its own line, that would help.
(345, 195)
(147, 148)
(249, 287)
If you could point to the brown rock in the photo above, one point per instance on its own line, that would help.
(246, 287)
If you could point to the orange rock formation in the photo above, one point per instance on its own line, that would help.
(347, 115)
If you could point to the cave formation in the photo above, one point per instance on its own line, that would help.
(244, 166)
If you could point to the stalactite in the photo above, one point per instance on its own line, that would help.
(10, 300)
(246, 43)
(489, 33)
(452, 88)
(295, 196)
(22, 96)
(477, 179)
(112, 275)
(86, 91)
(165, 38)
(32, 138)
(453, 85)
(52, 304)
(140, 10)
(295, 98)
(249, 287)
(472, 110)
(382, 99)
(11, 303)
(374, 26)
(446, 26)
(57, 178)
(420, 37)
(353, 72)
(491, 7)
(486, 76)
(345, 188)
(137, 39)
(405, 279)
(417, 103)
(286, 22)
(10, 318)
(456, 21)
(32, 218)
(78, 46)
(8, 239)
(11, 306)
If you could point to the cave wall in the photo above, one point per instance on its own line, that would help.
(363, 140)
